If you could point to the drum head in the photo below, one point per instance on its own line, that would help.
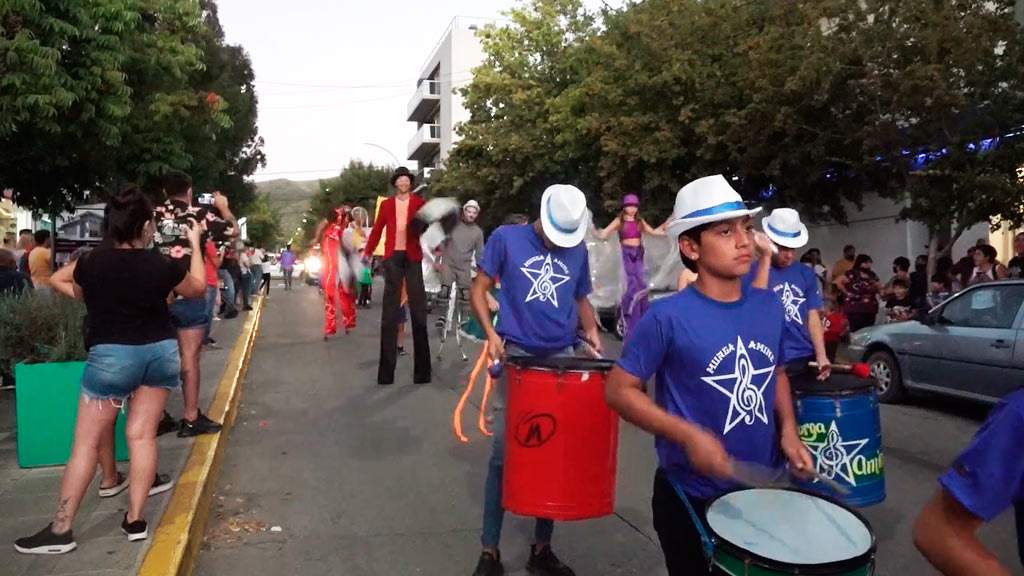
(790, 527)
(562, 363)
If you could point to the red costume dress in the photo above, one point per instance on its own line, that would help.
(337, 279)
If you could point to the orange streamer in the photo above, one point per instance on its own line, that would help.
(457, 416)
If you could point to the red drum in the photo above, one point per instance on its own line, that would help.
(561, 439)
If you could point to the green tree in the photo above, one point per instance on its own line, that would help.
(358, 184)
(95, 93)
(263, 223)
(521, 136)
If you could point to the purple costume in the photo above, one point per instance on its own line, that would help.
(634, 298)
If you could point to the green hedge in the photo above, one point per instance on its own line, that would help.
(40, 327)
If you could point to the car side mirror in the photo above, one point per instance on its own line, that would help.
(927, 318)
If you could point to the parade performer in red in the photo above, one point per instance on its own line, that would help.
(337, 281)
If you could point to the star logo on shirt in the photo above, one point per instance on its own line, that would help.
(834, 456)
(745, 389)
(791, 301)
(545, 282)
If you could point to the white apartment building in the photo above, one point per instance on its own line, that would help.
(436, 106)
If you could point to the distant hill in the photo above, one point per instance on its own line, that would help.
(290, 197)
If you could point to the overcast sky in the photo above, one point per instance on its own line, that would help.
(334, 74)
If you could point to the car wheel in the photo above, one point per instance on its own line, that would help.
(620, 326)
(886, 372)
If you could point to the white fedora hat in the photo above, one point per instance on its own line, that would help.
(705, 200)
(563, 215)
(471, 204)
(784, 227)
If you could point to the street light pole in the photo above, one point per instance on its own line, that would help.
(397, 162)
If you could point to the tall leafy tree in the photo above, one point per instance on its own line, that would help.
(521, 135)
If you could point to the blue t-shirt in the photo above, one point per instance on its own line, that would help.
(988, 477)
(715, 366)
(797, 289)
(539, 288)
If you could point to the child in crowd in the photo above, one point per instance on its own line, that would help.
(898, 306)
(836, 326)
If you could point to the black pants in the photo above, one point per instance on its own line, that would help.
(679, 538)
(266, 282)
(364, 295)
(858, 321)
(396, 269)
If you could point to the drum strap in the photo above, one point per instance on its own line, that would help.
(705, 542)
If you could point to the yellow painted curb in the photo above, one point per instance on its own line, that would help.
(176, 541)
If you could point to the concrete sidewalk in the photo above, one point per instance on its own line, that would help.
(27, 496)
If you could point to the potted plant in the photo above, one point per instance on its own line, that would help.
(42, 345)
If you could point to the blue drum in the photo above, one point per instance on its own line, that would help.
(839, 422)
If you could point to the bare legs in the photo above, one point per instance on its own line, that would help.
(189, 343)
(144, 415)
(106, 456)
(95, 418)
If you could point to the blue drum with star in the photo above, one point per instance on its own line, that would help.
(839, 422)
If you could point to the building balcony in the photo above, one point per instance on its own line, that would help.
(425, 101)
(425, 143)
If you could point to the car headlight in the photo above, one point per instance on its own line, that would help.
(860, 338)
(313, 264)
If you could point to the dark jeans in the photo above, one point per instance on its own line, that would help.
(245, 286)
(266, 283)
(680, 540)
(1019, 511)
(396, 269)
(287, 278)
(858, 321)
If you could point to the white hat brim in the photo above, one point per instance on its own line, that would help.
(797, 242)
(557, 237)
(680, 225)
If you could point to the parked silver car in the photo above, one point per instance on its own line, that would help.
(970, 346)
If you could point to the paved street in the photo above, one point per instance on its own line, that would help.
(327, 473)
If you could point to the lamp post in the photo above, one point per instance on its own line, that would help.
(397, 162)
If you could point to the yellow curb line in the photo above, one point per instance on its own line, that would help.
(176, 540)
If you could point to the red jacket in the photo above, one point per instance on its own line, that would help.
(386, 219)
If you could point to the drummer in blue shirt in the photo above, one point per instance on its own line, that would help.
(985, 480)
(716, 350)
(545, 281)
(797, 287)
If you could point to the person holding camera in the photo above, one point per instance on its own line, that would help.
(191, 316)
(132, 354)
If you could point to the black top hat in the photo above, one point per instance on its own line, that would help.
(402, 171)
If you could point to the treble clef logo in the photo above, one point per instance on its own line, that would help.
(747, 395)
(832, 454)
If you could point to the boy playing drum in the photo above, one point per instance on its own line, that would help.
(721, 388)
(545, 281)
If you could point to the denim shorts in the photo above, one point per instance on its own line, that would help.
(189, 313)
(114, 371)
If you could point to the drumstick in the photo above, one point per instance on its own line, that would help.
(858, 370)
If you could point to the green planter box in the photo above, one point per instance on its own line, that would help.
(46, 399)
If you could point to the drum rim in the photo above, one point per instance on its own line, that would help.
(826, 569)
(864, 390)
(524, 362)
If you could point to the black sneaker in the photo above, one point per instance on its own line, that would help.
(201, 425)
(162, 483)
(489, 565)
(134, 530)
(167, 424)
(545, 563)
(46, 542)
(401, 350)
(111, 491)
